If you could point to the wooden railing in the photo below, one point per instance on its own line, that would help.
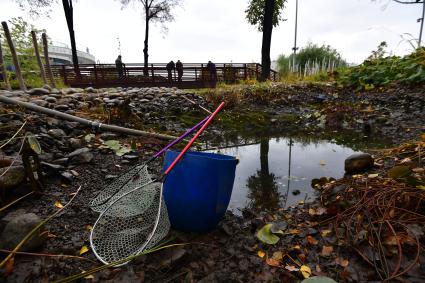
(194, 75)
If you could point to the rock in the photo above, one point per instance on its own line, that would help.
(61, 107)
(358, 163)
(38, 91)
(13, 178)
(82, 155)
(75, 143)
(51, 99)
(57, 133)
(52, 167)
(46, 86)
(18, 228)
(68, 176)
(90, 90)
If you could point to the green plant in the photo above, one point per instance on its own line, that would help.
(378, 70)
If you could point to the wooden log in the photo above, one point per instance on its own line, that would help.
(37, 56)
(3, 69)
(46, 59)
(14, 57)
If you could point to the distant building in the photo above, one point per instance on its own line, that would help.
(61, 54)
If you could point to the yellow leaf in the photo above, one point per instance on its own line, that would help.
(423, 136)
(58, 204)
(305, 271)
(342, 262)
(371, 176)
(261, 254)
(325, 232)
(421, 187)
(89, 227)
(273, 262)
(83, 250)
(277, 255)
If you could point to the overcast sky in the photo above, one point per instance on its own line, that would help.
(217, 29)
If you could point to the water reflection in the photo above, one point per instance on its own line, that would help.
(277, 172)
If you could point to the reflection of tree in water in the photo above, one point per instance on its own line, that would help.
(263, 187)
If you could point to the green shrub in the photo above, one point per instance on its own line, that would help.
(378, 70)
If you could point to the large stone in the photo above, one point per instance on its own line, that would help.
(17, 228)
(61, 107)
(38, 91)
(82, 155)
(358, 163)
(57, 133)
(13, 177)
(40, 102)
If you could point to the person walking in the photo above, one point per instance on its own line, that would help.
(120, 67)
(179, 68)
(170, 67)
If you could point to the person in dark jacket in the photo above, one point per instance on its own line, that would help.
(179, 68)
(120, 67)
(212, 70)
(170, 67)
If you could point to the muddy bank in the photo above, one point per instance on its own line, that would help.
(71, 157)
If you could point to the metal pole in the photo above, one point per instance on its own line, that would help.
(422, 25)
(296, 31)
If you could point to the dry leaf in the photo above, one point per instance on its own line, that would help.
(327, 250)
(88, 227)
(311, 240)
(318, 269)
(261, 254)
(58, 204)
(305, 271)
(371, 176)
(273, 262)
(342, 262)
(418, 170)
(317, 211)
(322, 163)
(278, 255)
(325, 232)
(8, 268)
(83, 250)
(294, 231)
(291, 268)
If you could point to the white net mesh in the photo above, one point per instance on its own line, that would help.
(130, 223)
(133, 178)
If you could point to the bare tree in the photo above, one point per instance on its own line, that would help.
(154, 11)
(39, 7)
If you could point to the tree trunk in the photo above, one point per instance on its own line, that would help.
(69, 15)
(46, 58)
(37, 56)
(146, 42)
(3, 69)
(267, 38)
(14, 57)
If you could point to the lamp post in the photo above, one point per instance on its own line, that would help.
(295, 48)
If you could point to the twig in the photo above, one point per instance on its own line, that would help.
(15, 201)
(49, 255)
(23, 125)
(35, 229)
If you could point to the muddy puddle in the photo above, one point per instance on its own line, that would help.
(277, 172)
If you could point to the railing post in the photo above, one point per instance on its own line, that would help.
(196, 74)
(95, 75)
(202, 72)
(244, 72)
(65, 75)
(153, 73)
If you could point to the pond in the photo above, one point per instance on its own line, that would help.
(277, 172)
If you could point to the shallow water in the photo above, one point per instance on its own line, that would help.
(277, 173)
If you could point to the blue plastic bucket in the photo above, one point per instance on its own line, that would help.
(198, 189)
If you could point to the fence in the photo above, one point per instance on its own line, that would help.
(195, 75)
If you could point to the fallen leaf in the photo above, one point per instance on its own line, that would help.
(311, 240)
(318, 269)
(327, 250)
(342, 262)
(8, 268)
(322, 163)
(266, 236)
(89, 277)
(58, 204)
(406, 160)
(88, 227)
(421, 187)
(325, 232)
(305, 271)
(318, 279)
(294, 231)
(296, 247)
(371, 176)
(317, 211)
(418, 170)
(291, 268)
(83, 250)
(261, 254)
(278, 255)
(398, 172)
(273, 262)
